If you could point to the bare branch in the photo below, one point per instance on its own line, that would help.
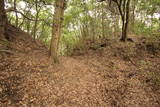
(13, 10)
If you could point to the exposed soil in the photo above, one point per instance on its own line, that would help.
(118, 75)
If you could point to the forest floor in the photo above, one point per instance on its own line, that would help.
(118, 75)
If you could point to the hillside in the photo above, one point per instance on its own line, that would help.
(117, 75)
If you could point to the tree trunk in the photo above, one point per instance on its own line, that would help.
(3, 20)
(103, 24)
(28, 26)
(125, 21)
(36, 20)
(15, 8)
(133, 16)
(35, 27)
(123, 37)
(57, 29)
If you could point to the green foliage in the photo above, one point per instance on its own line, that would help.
(69, 42)
(85, 20)
(150, 32)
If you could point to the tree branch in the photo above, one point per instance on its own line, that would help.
(13, 10)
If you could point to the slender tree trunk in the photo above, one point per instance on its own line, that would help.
(103, 24)
(123, 37)
(57, 29)
(85, 23)
(3, 20)
(28, 26)
(133, 16)
(125, 21)
(35, 27)
(42, 31)
(20, 25)
(15, 8)
(116, 25)
(36, 21)
(93, 23)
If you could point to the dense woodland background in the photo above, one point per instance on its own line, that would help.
(80, 53)
(85, 20)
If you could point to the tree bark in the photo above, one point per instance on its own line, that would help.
(57, 29)
(36, 20)
(123, 7)
(125, 20)
(132, 16)
(103, 24)
(3, 20)
(15, 8)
